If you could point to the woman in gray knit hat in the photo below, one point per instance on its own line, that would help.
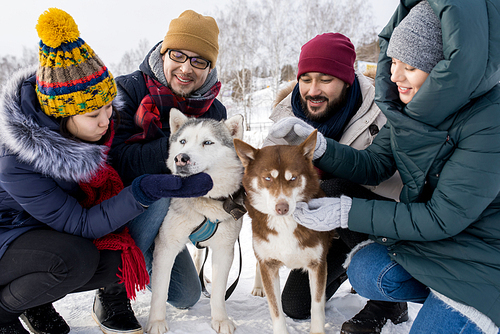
(438, 85)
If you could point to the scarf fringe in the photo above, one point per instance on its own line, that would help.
(133, 273)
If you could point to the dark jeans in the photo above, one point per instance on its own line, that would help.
(42, 266)
(296, 295)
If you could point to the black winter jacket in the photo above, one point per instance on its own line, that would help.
(135, 159)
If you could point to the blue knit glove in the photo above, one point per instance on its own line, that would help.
(147, 189)
(294, 131)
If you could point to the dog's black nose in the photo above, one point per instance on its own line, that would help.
(181, 159)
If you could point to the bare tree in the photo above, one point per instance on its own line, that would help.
(131, 59)
(277, 43)
(10, 64)
(237, 51)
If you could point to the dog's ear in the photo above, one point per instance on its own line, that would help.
(245, 152)
(235, 126)
(309, 145)
(176, 120)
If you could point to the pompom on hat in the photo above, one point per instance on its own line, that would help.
(330, 53)
(193, 32)
(417, 40)
(71, 79)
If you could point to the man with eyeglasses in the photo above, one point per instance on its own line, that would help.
(338, 101)
(180, 73)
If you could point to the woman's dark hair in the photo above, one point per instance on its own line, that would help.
(63, 128)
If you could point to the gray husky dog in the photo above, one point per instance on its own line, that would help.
(199, 145)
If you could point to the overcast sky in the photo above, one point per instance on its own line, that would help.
(112, 27)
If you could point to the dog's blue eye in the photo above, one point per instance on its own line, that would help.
(293, 178)
(208, 142)
(182, 141)
(267, 178)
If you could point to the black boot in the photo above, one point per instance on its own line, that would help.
(44, 319)
(373, 317)
(113, 313)
(13, 328)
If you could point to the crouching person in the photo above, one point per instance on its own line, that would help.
(333, 98)
(440, 245)
(62, 207)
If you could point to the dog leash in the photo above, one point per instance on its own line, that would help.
(208, 228)
(231, 288)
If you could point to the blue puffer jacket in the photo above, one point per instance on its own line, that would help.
(134, 159)
(445, 144)
(40, 171)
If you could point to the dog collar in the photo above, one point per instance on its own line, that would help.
(203, 232)
(231, 203)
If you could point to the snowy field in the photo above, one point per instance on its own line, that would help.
(249, 313)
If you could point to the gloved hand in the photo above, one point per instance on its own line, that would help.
(323, 214)
(294, 131)
(147, 189)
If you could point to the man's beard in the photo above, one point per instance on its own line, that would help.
(182, 93)
(332, 107)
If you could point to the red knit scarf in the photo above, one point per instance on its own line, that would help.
(105, 184)
(161, 98)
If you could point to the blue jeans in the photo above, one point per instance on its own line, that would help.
(185, 288)
(375, 276)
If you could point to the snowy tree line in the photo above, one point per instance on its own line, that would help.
(258, 39)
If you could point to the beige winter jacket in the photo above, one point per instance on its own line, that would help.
(357, 133)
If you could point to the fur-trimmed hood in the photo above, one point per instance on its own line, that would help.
(34, 137)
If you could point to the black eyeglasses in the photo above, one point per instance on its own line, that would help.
(181, 57)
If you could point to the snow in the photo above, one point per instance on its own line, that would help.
(250, 313)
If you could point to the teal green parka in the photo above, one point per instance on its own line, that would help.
(445, 231)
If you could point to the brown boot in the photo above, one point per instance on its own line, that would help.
(373, 317)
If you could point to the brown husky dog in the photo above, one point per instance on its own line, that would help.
(275, 179)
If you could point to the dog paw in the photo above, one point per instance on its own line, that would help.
(157, 327)
(259, 292)
(225, 326)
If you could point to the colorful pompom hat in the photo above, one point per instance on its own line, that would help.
(71, 79)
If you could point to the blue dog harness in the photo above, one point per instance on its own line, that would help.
(208, 228)
(203, 232)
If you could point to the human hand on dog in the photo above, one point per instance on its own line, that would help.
(294, 131)
(147, 189)
(323, 214)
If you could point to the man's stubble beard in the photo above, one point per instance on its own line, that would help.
(178, 93)
(331, 109)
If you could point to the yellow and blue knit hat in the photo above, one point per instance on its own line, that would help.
(71, 79)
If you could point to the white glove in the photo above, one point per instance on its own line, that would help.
(324, 214)
(294, 131)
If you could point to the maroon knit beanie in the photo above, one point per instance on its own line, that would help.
(329, 53)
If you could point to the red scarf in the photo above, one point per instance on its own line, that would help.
(105, 184)
(160, 100)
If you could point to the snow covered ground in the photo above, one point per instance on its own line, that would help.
(249, 313)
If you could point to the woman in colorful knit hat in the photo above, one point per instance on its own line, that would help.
(62, 207)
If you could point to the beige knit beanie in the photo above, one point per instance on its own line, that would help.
(193, 32)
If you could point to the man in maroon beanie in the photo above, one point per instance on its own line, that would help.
(332, 97)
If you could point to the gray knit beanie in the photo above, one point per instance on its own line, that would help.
(417, 40)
